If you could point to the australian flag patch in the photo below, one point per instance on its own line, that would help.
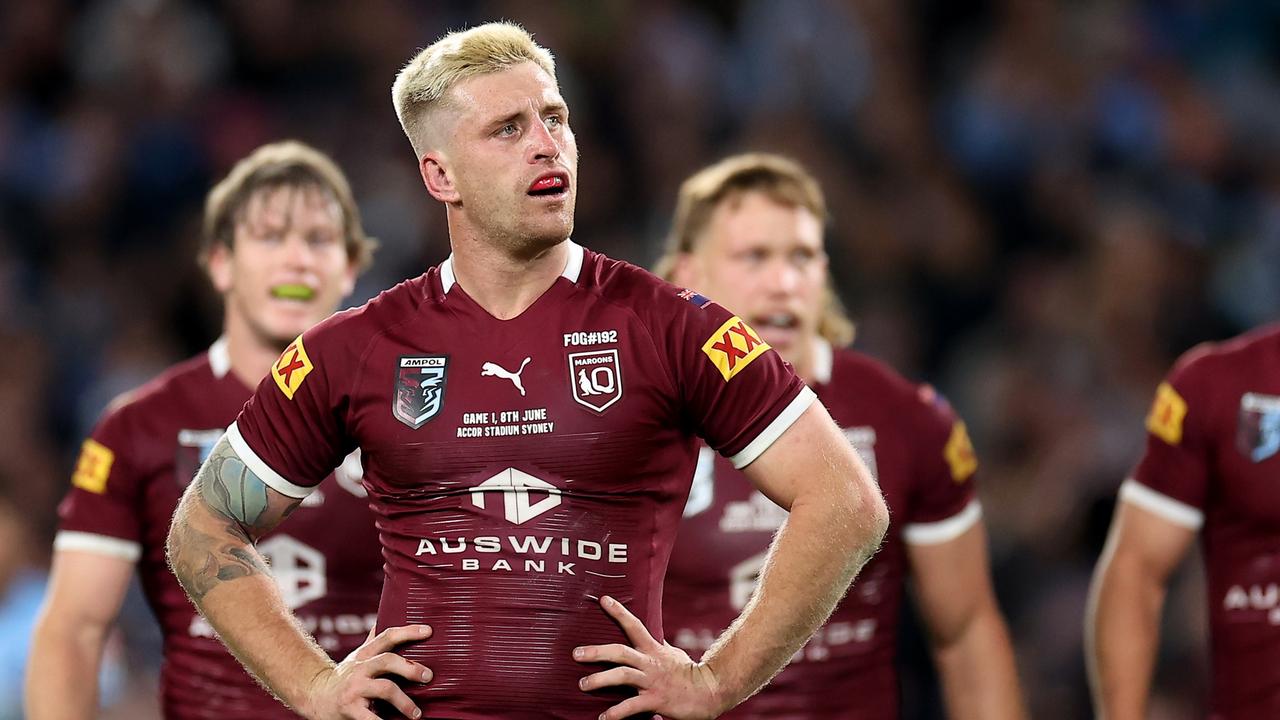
(1258, 427)
(695, 298)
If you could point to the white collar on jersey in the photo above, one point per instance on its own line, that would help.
(219, 358)
(822, 361)
(572, 267)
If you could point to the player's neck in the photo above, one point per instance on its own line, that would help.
(801, 359)
(503, 283)
(251, 357)
(804, 355)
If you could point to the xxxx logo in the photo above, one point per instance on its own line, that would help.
(1167, 413)
(292, 368)
(733, 347)
(94, 467)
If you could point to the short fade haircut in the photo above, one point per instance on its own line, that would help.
(287, 164)
(481, 50)
(782, 180)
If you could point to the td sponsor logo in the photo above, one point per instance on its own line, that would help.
(298, 569)
(515, 485)
(524, 497)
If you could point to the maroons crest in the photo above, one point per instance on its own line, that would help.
(419, 393)
(596, 378)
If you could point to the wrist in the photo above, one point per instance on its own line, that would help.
(720, 698)
(310, 691)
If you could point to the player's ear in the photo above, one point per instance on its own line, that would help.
(349, 279)
(438, 178)
(219, 262)
(685, 272)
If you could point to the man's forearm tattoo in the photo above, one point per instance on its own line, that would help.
(201, 561)
(203, 558)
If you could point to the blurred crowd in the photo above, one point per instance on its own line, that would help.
(1035, 205)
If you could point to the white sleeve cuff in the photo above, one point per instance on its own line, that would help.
(936, 533)
(785, 419)
(97, 544)
(1175, 511)
(273, 479)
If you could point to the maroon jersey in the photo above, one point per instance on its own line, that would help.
(132, 471)
(920, 455)
(521, 468)
(1211, 462)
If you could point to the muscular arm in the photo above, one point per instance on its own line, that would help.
(1122, 626)
(84, 597)
(211, 550)
(837, 521)
(966, 631)
(838, 518)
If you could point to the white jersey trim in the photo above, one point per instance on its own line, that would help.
(447, 279)
(1175, 511)
(273, 479)
(785, 419)
(219, 358)
(572, 268)
(75, 541)
(573, 265)
(936, 533)
(823, 360)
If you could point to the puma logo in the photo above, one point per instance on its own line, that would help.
(494, 370)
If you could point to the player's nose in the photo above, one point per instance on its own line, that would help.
(297, 253)
(783, 279)
(543, 145)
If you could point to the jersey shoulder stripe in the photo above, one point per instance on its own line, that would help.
(74, 541)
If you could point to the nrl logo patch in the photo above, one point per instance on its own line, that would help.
(596, 378)
(1258, 427)
(419, 392)
(194, 447)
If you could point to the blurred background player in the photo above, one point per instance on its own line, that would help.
(1210, 469)
(748, 232)
(282, 244)
(529, 412)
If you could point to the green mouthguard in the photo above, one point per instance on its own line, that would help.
(292, 292)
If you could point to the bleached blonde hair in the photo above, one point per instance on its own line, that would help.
(422, 83)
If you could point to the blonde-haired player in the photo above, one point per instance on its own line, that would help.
(748, 231)
(529, 412)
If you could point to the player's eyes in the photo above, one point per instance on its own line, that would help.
(554, 121)
(802, 258)
(507, 130)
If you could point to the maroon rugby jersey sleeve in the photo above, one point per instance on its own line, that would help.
(738, 393)
(292, 432)
(943, 503)
(102, 511)
(1171, 479)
